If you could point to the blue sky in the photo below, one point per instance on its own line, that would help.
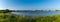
(30, 4)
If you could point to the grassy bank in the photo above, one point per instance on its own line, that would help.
(15, 18)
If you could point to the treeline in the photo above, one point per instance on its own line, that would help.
(16, 18)
(7, 10)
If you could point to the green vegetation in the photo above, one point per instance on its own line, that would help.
(5, 11)
(16, 18)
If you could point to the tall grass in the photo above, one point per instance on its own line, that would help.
(15, 18)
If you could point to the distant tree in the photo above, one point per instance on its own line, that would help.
(57, 10)
(6, 11)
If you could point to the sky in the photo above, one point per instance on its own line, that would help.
(30, 4)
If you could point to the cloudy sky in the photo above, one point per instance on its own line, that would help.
(30, 4)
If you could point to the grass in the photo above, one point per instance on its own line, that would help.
(15, 18)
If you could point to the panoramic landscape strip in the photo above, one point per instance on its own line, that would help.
(29, 10)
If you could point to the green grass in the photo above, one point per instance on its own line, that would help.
(15, 18)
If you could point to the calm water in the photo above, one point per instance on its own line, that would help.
(37, 13)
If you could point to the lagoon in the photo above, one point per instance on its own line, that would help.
(38, 13)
